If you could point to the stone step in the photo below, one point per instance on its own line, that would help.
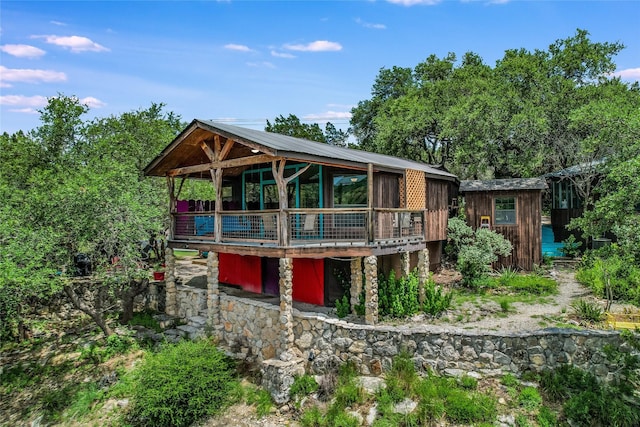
(191, 332)
(197, 321)
(165, 321)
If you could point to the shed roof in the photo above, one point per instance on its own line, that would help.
(296, 149)
(510, 184)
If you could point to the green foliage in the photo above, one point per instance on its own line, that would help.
(262, 400)
(292, 126)
(529, 398)
(303, 385)
(546, 417)
(343, 307)
(587, 402)
(436, 300)
(509, 380)
(475, 250)
(398, 298)
(587, 311)
(468, 383)
(570, 247)
(146, 319)
(181, 384)
(114, 344)
(466, 408)
(611, 266)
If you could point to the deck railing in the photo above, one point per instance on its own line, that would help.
(305, 226)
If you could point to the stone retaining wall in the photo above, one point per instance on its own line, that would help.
(250, 330)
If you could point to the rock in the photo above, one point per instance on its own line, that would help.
(371, 384)
(405, 407)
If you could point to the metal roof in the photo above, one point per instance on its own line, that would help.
(582, 168)
(503, 185)
(303, 150)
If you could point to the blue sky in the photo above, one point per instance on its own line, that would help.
(248, 61)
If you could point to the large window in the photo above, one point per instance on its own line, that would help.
(505, 210)
(349, 191)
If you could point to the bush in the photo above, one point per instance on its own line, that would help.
(587, 310)
(398, 297)
(181, 384)
(435, 299)
(619, 270)
(343, 308)
(474, 251)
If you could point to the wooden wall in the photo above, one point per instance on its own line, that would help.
(437, 206)
(525, 235)
(386, 190)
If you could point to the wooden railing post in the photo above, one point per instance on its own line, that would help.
(370, 228)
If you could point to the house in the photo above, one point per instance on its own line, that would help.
(569, 187)
(513, 208)
(295, 217)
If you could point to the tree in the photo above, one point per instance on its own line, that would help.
(89, 197)
(292, 126)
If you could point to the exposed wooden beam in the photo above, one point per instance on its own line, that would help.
(208, 151)
(226, 164)
(216, 147)
(226, 150)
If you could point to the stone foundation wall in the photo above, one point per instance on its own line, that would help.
(250, 330)
(191, 302)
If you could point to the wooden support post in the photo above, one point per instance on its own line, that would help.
(356, 282)
(277, 168)
(371, 290)
(217, 174)
(370, 228)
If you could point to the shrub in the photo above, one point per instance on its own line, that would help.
(147, 320)
(546, 418)
(343, 308)
(435, 299)
(181, 384)
(474, 251)
(465, 408)
(303, 385)
(620, 271)
(398, 297)
(587, 310)
(262, 401)
(570, 247)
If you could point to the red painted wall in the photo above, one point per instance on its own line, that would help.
(244, 271)
(308, 280)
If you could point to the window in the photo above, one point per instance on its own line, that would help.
(505, 210)
(349, 191)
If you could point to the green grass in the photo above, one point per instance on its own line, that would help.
(184, 253)
(145, 319)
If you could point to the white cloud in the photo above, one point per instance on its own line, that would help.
(58, 23)
(317, 46)
(282, 54)
(92, 102)
(22, 50)
(370, 25)
(628, 74)
(24, 110)
(238, 47)
(415, 2)
(30, 76)
(263, 64)
(23, 101)
(328, 116)
(75, 44)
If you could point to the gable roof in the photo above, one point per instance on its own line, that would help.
(510, 184)
(295, 149)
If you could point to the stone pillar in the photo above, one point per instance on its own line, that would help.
(171, 307)
(286, 306)
(371, 290)
(213, 292)
(423, 273)
(405, 259)
(356, 282)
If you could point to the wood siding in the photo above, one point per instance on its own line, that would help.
(386, 191)
(437, 205)
(525, 235)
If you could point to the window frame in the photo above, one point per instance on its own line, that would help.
(502, 200)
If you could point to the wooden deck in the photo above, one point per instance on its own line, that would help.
(310, 233)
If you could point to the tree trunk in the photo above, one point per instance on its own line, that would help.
(95, 312)
(128, 295)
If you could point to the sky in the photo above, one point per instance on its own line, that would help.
(245, 62)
